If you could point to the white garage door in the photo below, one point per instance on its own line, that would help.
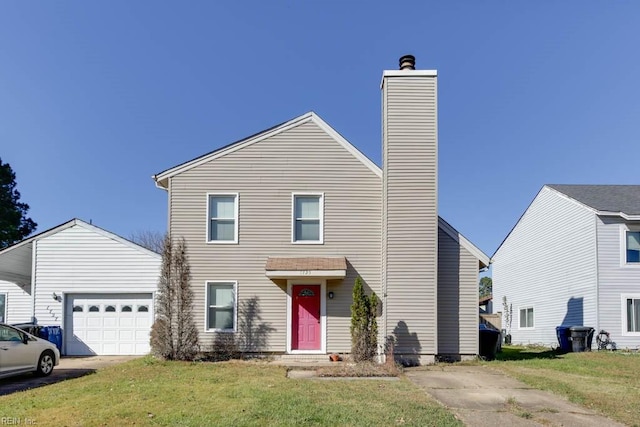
(107, 324)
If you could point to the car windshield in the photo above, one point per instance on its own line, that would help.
(9, 334)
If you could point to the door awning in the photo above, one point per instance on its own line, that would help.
(320, 267)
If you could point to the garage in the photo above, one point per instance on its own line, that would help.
(107, 324)
(95, 285)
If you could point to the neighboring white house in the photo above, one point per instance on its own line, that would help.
(96, 285)
(573, 258)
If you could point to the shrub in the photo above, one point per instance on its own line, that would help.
(364, 326)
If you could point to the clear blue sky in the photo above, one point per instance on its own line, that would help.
(95, 97)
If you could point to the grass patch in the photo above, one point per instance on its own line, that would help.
(362, 369)
(607, 382)
(514, 407)
(150, 392)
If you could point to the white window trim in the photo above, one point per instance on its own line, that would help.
(206, 305)
(236, 217)
(623, 246)
(6, 306)
(623, 314)
(323, 314)
(293, 219)
(527, 307)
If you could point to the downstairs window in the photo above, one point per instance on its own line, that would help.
(633, 314)
(221, 306)
(526, 317)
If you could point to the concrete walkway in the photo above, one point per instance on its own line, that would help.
(481, 396)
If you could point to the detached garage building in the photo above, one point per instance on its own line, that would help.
(94, 284)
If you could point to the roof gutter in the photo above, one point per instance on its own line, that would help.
(158, 182)
(632, 217)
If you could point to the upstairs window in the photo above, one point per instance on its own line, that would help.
(307, 224)
(222, 225)
(526, 317)
(633, 247)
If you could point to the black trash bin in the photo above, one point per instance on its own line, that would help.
(31, 328)
(488, 342)
(581, 337)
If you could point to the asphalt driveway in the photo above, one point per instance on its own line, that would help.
(481, 396)
(69, 367)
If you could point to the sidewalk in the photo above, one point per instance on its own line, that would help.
(481, 396)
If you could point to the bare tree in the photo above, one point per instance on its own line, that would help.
(174, 335)
(152, 240)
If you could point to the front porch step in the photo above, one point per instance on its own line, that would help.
(304, 360)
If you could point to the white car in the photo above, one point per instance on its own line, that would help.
(22, 352)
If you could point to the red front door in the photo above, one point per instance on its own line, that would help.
(305, 334)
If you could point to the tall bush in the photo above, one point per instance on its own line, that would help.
(364, 326)
(174, 335)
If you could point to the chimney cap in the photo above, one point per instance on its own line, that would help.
(407, 62)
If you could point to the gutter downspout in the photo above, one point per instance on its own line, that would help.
(596, 218)
(34, 248)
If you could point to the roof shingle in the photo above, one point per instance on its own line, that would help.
(308, 263)
(611, 198)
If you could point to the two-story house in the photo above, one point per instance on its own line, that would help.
(279, 225)
(573, 259)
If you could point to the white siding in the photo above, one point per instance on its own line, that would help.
(78, 259)
(616, 280)
(19, 303)
(410, 228)
(265, 174)
(548, 262)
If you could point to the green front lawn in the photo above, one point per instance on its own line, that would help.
(608, 382)
(150, 392)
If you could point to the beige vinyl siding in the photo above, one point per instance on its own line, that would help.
(410, 203)
(616, 279)
(457, 298)
(383, 325)
(265, 174)
(79, 260)
(19, 303)
(548, 262)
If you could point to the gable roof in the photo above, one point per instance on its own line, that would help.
(622, 200)
(162, 178)
(80, 223)
(16, 261)
(464, 242)
(606, 200)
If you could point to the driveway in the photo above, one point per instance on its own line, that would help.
(69, 367)
(481, 396)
